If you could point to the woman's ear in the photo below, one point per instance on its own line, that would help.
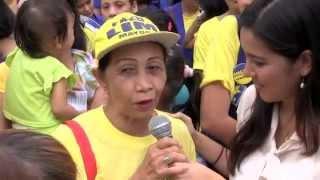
(100, 78)
(305, 62)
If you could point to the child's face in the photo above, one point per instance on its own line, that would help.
(84, 7)
(111, 8)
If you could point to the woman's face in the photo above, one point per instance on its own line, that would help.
(111, 8)
(274, 76)
(135, 78)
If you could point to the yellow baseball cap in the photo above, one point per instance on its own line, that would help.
(127, 28)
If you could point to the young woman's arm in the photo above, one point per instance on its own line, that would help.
(213, 152)
(60, 107)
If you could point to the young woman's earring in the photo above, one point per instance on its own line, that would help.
(302, 84)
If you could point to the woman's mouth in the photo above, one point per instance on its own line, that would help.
(145, 105)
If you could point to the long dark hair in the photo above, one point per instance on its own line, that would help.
(287, 31)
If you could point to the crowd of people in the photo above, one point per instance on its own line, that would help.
(237, 81)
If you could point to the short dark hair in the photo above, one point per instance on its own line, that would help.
(33, 156)
(38, 20)
(7, 20)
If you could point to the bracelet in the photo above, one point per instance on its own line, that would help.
(219, 156)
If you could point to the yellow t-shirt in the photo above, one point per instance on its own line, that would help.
(4, 72)
(188, 20)
(117, 154)
(222, 55)
(203, 38)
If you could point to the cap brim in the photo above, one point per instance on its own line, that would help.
(166, 39)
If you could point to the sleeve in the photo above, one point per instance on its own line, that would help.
(57, 71)
(4, 72)
(245, 106)
(222, 55)
(200, 48)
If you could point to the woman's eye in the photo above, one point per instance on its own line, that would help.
(119, 5)
(259, 63)
(105, 6)
(154, 68)
(256, 62)
(127, 70)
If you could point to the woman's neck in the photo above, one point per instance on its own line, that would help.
(7, 45)
(125, 123)
(287, 121)
(286, 112)
(189, 8)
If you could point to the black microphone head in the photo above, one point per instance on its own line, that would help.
(160, 127)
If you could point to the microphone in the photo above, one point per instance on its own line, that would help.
(160, 127)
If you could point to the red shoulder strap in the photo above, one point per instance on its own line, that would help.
(88, 157)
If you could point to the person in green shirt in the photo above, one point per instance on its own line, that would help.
(41, 68)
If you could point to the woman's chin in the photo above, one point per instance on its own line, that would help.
(144, 115)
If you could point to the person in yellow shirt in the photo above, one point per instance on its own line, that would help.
(131, 53)
(209, 9)
(7, 44)
(220, 76)
(207, 32)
